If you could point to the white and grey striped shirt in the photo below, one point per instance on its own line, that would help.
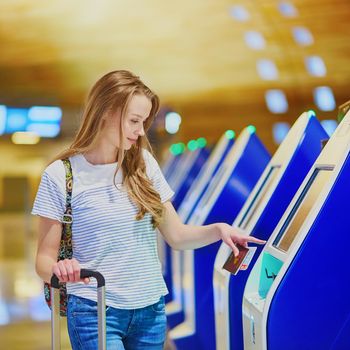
(106, 235)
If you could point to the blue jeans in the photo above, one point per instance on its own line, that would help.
(136, 329)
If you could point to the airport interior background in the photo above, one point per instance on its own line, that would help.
(218, 66)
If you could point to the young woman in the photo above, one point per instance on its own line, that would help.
(119, 199)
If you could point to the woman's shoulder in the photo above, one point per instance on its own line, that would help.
(56, 173)
(55, 168)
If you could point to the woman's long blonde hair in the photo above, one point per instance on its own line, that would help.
(112, 92)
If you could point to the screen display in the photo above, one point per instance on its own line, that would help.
(45, 121)
(16, 120)
(259, 196)
(301, 208)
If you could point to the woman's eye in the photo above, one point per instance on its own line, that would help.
(134, 121)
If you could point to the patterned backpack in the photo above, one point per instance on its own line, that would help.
(65, 251)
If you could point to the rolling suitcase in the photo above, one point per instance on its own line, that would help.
(55, 310)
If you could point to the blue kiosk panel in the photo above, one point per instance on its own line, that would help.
(170, 171)
(194, 169)
(168, 163)
(193, 172)
(241, 181)
(176, 318)
(222, 158)
(299, 165)
(314, 291)
(169, 168)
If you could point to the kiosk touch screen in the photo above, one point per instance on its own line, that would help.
(301, 208)
(259, 196)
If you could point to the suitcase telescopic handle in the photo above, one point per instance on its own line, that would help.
(84, 273)
(101, 302)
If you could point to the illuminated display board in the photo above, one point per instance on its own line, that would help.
(44, 121)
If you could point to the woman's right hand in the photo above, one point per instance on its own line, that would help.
(68, 270)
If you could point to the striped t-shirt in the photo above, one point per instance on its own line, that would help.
(106, 235)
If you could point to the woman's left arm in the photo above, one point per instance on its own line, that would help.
(180, 236)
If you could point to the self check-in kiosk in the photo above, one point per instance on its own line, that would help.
(222, 200)
(191, 174)
(168, 168)
(168, 163)
(259, 216)
(172, 169)
(174, 309)
(209, 170)
(296, 296)
(179, 171)
(174, 172)
(188, 171)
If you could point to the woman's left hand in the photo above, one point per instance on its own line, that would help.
(233, 235)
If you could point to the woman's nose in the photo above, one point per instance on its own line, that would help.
(141, 131)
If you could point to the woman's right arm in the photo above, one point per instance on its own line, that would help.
(46, 264)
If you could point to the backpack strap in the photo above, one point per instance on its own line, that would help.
(66, 251)
(67, 216)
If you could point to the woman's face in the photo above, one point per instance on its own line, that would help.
(136, 114)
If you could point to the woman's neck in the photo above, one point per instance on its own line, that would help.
(102, 154)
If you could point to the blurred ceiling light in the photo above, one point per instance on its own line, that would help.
(25, 138)
(2, 119)
(239, 13)
(302, 36)
(324, 98)
(172, 122)
(276, 101)
(315, 66)
(329, 125)
(202, 142)
(311, 113)
(230, 134)
(280, 131)
(267, 69)
(254, 40)
(287, 9)
(177, 148)
(192, 145)
(45, 114)
(251, 129)
(44, 130)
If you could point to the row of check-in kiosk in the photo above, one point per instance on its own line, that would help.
(295, 293)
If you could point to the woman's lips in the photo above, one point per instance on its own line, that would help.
(132, 140)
